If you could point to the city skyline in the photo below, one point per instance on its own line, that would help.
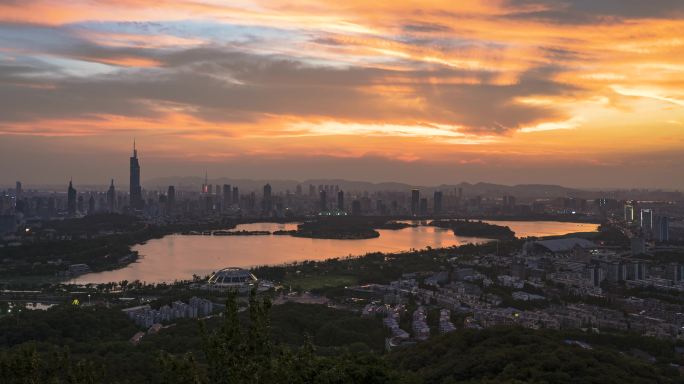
(136, 183)
(315, 191)
(580, 94)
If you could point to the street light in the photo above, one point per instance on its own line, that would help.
(89, 299)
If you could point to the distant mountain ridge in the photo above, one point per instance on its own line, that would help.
(469, 189)
(487, 190)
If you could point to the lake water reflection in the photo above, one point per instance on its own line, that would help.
(176, 257)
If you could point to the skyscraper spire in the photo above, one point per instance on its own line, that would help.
(111, 197)
(71, 199)
(205, 186)
(135, 196)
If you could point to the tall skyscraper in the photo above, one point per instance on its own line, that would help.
(205, 185)
(629, 213)
(135, 195)
(251, 202)
(662, 228)
(423, 206)
(236, 196)
(227, 196)
(340, 200)
(71, 199)
(267, 203)
(171, 199)
(646, 220)
(18, 190)
(111, 197)
(437, 202)
(415, 201)
(323, 200)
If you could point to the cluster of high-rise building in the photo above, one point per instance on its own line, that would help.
(145, 316)
(215, 200)
(645, 222)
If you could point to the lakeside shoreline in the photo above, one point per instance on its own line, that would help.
(161, 232)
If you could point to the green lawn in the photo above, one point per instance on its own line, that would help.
(318, 282)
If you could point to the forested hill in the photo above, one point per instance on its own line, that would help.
(472, 228)
(236, 348)
(517, 355)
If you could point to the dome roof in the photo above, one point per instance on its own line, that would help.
(232, 277)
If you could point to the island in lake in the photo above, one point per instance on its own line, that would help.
(341, 228)
(470, 228)
(395, 225)
(241, 233)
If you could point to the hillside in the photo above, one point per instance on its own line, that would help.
(516, 355)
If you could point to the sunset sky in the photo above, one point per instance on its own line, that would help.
(586, 93)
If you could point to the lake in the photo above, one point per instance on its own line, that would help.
(178, 257)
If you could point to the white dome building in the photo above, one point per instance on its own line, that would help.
(232, 278)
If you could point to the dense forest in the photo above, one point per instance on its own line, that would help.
(517, 355)
(298, 343)
(343, 228)
(471, 228)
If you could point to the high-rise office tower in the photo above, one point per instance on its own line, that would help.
(340, 200)
(171, 199)
(662, 228)
(415, 201)
(323, 200)
(135, 194)
(629, 213)
(71, 199)
(227, 196)
(646, 219)
(18, 190)
(251, 201)
(423, 206)
(111, 197)
(205, 185)
(236, 196)
(267, 203)
(437, 202)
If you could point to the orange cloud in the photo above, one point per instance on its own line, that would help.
(396, 79)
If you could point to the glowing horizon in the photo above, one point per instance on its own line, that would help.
(579, 93)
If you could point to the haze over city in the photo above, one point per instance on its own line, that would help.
(577, 93)
(341, 191)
